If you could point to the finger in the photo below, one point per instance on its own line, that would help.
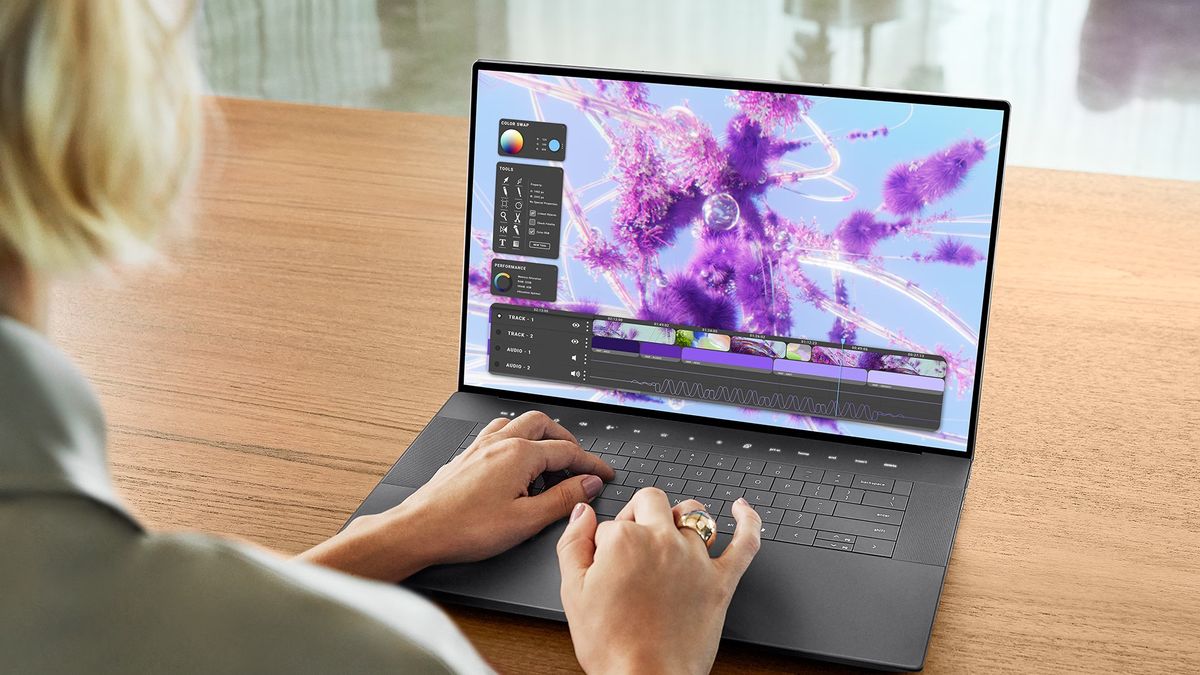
(535, 425)
(687, 506)
(491, 428)
(577, 547)
(494, 426)
(745, 543)
(651, 507)
(559, 501)
(555, 455)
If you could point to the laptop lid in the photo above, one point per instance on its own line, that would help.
(807, 260)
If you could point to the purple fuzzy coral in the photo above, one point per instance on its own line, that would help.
(715, 263)
(643, 196)
(602, 256)
(750, 148)
(860, 231)
(909, 187)
(771, 110)
(684, 300)
(954, 252)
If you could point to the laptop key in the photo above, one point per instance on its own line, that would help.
(869, 513)
(607, 507)
(728, 477)
(615, 461)
(797, 519)
(902, 487)
(808, 474)
(608, 446)
(720, 461)
(843, 478)
(852, 495)
(819, 506)
(769, 514)
(712, 506)
(768, 530)
(872, 483)
(640, 480)
(619, 476)
(757, 482)
(670, 484)
(726, 524)
(759, 497)
(817, 490)
(692, 457)
(662, 453)
(793, 502)
(788, 486)
(885, 501)
(641, 465)
(634, 449)
(777, 470)
(795, 535)
(586, 442)
(620, 493)
(728, 492)
(750, 465)
(836, 545)
(695, 488)
(874, 547)
(667, 469)
(858, 528)
(837, 536)
(698, 473)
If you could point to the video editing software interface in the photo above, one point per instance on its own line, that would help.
(796, 261)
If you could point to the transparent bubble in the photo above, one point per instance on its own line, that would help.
(683, 118)
(721, 212)
(777, 246)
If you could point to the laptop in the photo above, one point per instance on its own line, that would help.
(727, 289)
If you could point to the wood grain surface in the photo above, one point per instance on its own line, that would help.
(261, 380)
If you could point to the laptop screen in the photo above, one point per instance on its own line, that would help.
(809, 259)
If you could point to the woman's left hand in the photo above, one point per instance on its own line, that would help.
(475, 506)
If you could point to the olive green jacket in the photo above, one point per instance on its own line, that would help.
(85, 589)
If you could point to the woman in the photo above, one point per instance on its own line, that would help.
(99, 132)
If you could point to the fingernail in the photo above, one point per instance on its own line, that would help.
(742, 501)
(577, 511)
(592, 485)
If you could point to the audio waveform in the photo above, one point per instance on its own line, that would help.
(804, 405)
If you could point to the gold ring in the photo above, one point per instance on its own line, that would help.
(701, 523)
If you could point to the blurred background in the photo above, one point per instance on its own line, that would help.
(1109, 86)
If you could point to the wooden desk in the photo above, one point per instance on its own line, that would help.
(259, 384)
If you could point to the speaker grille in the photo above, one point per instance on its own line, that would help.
(431, 449)
(929, 521)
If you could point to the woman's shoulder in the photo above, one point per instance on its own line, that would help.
(300, 613)
(195, 603)
(51, 427)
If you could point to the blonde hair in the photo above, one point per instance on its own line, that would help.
(100, 128)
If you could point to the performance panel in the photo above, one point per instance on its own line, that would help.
(782, 374)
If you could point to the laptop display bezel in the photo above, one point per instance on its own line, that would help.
(724, 83)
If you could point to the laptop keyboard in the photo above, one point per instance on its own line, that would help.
(801, 505)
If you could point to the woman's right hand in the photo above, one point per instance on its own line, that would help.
(643, 596)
